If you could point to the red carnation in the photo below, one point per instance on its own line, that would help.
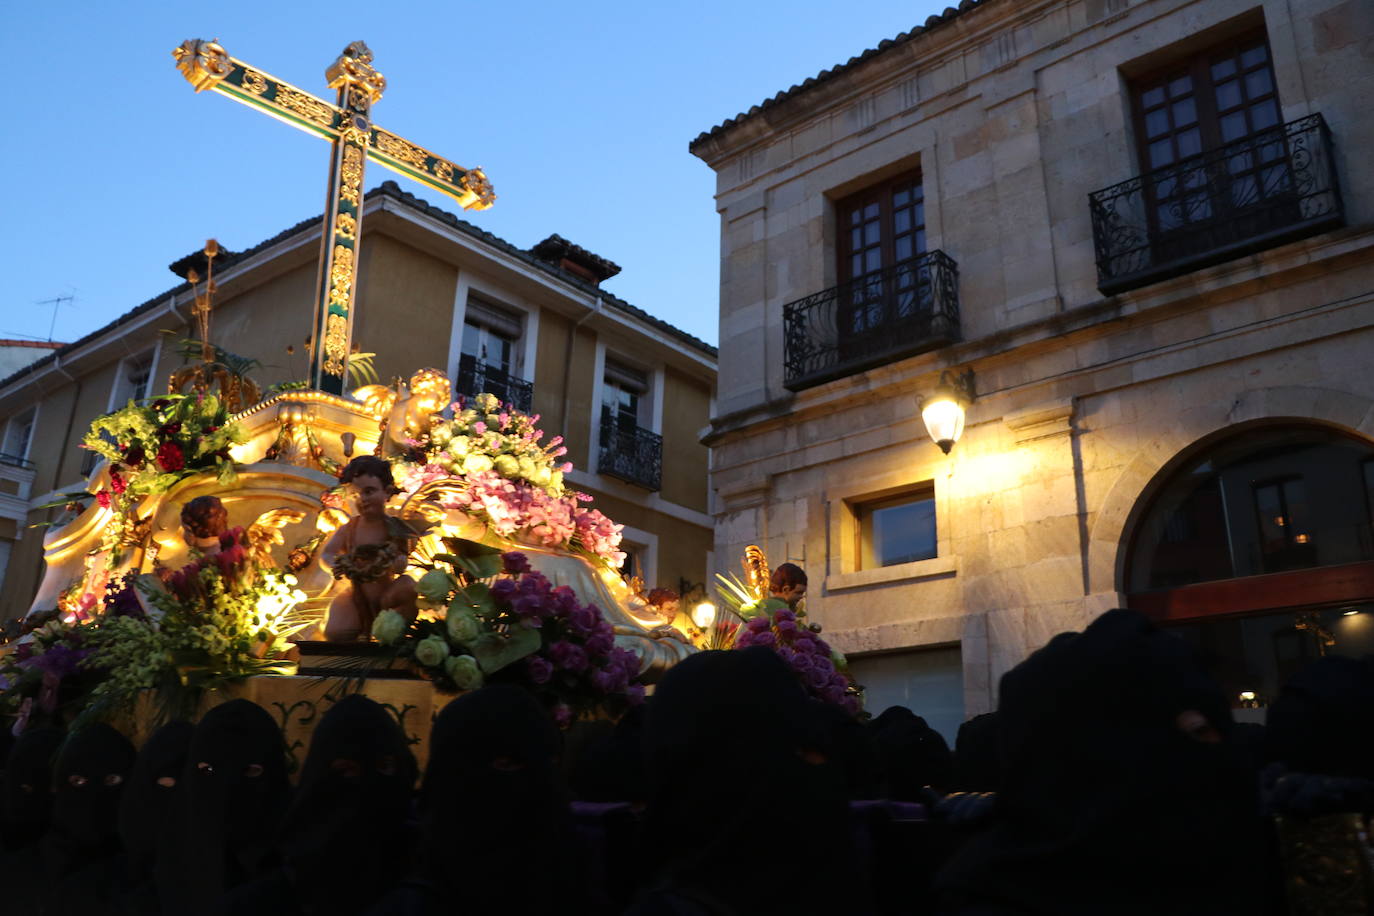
(170, 457)
(117, 483)
(134, 456)
(103, 497)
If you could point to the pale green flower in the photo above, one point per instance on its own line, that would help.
(435, 585)
(431, 651)
(507, 465)
(476, 464)
(459, 445)
(388, 627)
(464, 671)
(463, 626)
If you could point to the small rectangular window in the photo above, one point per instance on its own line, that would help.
(897, 529)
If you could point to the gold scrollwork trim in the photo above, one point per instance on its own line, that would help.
(345, 226)
(304, 105)
(443, 169)
(341, 276)
(254, 82)
(400, 150)
(335, 344)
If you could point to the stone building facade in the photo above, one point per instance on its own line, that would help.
(629, 392)
(1147, 226)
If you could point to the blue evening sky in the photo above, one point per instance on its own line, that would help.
(580, 113)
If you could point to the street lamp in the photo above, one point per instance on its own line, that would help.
(943, 411)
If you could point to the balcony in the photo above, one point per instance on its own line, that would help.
(908, 308)
(15, 461)
(476, 377)
(1267, 189)
(631, 453)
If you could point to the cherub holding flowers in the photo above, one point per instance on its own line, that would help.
(370, 550)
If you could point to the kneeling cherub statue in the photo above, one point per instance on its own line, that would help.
(370, 550)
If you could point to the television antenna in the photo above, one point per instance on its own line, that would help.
(55, 302)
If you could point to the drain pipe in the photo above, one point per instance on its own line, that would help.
(567, 362)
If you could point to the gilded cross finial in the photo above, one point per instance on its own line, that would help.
(203, 63)
(354, 69)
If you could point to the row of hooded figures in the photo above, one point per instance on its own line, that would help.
(1110, 780)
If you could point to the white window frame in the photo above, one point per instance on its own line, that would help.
(528, 343)
(121, 375)
(10, 427)
(654, 376)
(646, 542)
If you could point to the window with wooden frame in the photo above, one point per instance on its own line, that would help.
(1218, 97)
(881, 232)
(896, 529)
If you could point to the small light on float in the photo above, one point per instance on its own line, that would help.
(704, 614)
(943, 411)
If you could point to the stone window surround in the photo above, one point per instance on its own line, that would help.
(842, 566)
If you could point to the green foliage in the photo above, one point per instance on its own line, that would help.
(190, 350)
(360, 369)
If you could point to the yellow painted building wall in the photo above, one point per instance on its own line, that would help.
(686, 411)
(404, 309)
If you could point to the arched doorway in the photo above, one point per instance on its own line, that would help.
(1259, 549)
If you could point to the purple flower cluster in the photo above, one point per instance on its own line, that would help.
(578, 662)
(804, 650)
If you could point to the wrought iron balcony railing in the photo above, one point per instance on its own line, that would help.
(476, 377)
(1269, 188)
(908, 308)
(15, 461)
(633, 454)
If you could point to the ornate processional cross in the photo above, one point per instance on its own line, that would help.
(355, 139)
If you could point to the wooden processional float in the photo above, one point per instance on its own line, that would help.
(294, 440)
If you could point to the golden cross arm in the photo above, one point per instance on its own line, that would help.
(206, 65)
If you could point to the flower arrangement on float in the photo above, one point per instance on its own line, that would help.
(512, 480)
(746, 620)
(150, 447)
(217, 620)
(496, 618)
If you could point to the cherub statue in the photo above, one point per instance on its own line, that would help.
(664, 604)
(370, 550)
(407, 412)
(203, 521)
(788, 583)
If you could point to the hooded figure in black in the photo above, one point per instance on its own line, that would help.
(914, 755)
(1321, 732)
(978, 755)
(150, 803)
(234, 792)
(82, 854)
(495, 822)
(346, 839)
(1121, 793)
(25, 810)
(740, 787)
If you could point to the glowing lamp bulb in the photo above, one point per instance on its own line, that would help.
(704, 614)
(1350, 612)
(944, 418)
(1247, 695)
